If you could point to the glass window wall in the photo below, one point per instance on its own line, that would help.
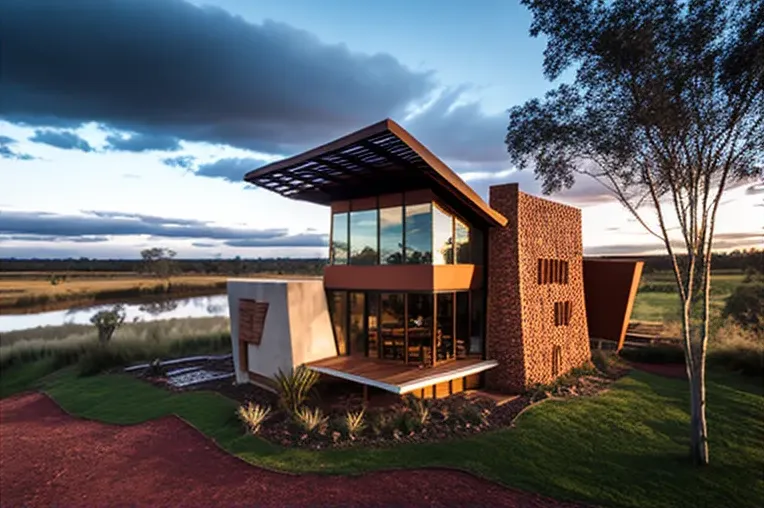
(476, 325)
(338, 310)
(357, 324)
(419, 234)
(442, 237)
(391, 235)
(444, 337)
(462, 241)
(420, 314)
(339, 247)
(372, 326)
(363, 237)
(393, 321)
(462, 324)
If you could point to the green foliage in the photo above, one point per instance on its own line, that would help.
(253, 416)
(746, 306)
(107, 322)
(419, 408)
(354, 422)
(159, 262)
(295, 387)
(311, 420)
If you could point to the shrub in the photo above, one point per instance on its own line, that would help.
(253, 416)
(295, 387)
(379, 422)
(311, 421)
(354, 423)
(736, 348)
(746, 306)
(654, 354)
(107, 322)
(419, 408)
(406, 422)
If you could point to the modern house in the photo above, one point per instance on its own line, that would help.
(429, 290)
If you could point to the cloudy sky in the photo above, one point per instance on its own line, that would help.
(130, 124)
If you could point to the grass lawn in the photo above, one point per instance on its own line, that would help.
(625, 447)
(658, 299)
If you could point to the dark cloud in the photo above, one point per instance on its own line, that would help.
(142, 143)
(170, 68)
(100, 223)
(66, 140)
(204, 245)
(6, 152)
(231, 169)
(756, 188)
(51, 238)
(182, 161)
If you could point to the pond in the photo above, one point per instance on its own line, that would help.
(155, 310)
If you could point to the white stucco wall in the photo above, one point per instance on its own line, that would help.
(297, 326)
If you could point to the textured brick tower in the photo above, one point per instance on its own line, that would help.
(536, 314)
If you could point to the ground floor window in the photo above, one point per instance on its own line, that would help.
(416, 327)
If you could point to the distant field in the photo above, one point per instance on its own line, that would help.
(35, 290)
(658, 300)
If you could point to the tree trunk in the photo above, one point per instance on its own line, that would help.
(699, 430)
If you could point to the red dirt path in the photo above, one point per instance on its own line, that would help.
(50, 458)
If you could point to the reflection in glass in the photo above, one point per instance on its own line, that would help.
(419, 234)
(462, 234)
(372, 305)
(442, 237)
(338, 309)
(363, 237)
(393, 322)
(476, 326)
(339, 245)
(391, 235)
(357, 324)
(462, 324)
(420, 328)
(444, 336)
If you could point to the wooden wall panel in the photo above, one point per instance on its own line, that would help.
(252, 320)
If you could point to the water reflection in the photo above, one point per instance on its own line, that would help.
(198, 306)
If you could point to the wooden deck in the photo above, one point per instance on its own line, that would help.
(396, 376)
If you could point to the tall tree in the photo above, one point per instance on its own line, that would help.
(666, 110)
(160, 262)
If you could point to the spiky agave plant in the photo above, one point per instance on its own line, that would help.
(311, 420)
(354, 422)
(253, 416)
(294, 387)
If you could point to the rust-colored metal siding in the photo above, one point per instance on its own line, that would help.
(610, 287)
(403, 277)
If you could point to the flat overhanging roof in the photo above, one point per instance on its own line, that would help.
(380, 159)
(396, 376)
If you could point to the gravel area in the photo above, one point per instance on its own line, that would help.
(51, 459)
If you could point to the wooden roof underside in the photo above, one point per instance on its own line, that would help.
(380, 159)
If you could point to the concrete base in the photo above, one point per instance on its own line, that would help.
(297, 328)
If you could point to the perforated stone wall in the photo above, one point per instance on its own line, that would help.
(522, 333)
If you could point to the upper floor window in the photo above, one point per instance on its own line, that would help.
(412, 234)
(364, 249)
(339, 244)
(442, 237)
(391, 235)
(418, 239)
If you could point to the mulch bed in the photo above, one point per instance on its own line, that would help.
(388, 419)
(50, 458)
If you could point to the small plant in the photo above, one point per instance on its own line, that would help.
(405, 422)
(472, 415)
(107, 322)
(295, 387)
(419, 408)
(155, 368)
(379, 423)
(253, 416)
(354, 423)
(311, 420)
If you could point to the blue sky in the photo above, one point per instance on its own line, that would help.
(129, 124)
